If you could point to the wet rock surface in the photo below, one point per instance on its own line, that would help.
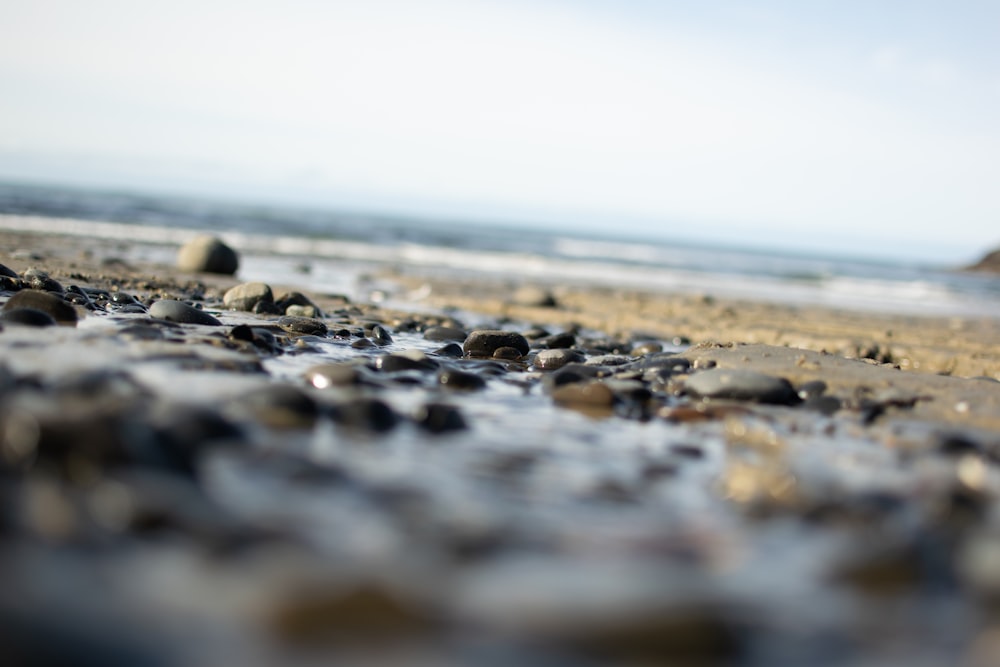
(357, 486)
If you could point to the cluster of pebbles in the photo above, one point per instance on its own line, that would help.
(191, 477)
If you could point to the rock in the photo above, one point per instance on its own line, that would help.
(370, 414)
(278, 406)
(534, 297)
(440, 418)
(207, 254)
(27, 317)
(443, 334)
(247, 295)
(303, 326)
(484, 342)
(7, 272)
(409, 360)
(990, 263)
(49, 303)
(551, 360)
(588, 394)
(180, 312)
(556, 341)
(299, 305)
(40, 280)
(741, 385)
(381, 336)
(507, 352)
(460, 380)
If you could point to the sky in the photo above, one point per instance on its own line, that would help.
(855, 126)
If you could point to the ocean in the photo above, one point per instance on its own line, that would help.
(327, 250)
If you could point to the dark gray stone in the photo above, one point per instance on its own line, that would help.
(49, 303)
(40, 280)
(304, 326)
(460, 380)
(180, 312)
(445, 334)
(440, 418)
(484, 342)
(741, 385)
(27, 317)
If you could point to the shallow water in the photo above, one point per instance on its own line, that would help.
(540, 534)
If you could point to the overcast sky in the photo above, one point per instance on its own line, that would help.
(843, 125)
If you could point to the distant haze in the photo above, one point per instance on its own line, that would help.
(858, 127)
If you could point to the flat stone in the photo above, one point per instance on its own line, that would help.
(207, 254)
(551, 360)
(741, 385)
(49, 303)
(247, 295)
(306, 326)
(484, 342)
(180, 312)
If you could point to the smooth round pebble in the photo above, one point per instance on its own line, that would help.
(741, 385)
(440, 418)
(207, 254)
(180, 312)
(484, 342)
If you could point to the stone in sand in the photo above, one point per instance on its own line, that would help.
(207, 254)
(741, 385)
(304, 326)
(484, 342)
(247, 295)
(49, 303)
(180, 312)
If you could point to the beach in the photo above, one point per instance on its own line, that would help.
(467, 470)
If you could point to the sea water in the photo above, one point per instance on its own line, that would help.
(326, 250)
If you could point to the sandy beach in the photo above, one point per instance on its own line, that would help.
(619, 476)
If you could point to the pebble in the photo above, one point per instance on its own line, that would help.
(554, 359)
(180, 312)
(484, 342)
(556, 341)
(460, 380)
(8, 272)
(207, 254)
(302, 326)
(440, 418)
(278, 406)
(453, 350)
(593, 394)
(380, 336)
(366, 413)
(442, 334)
(507, 352)
(299, 304)
(27, 317)
(247, 295)
(409, 360)
(40, 280)
(534, 297)
(741, 385)
(47, 302)
(335, 375)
